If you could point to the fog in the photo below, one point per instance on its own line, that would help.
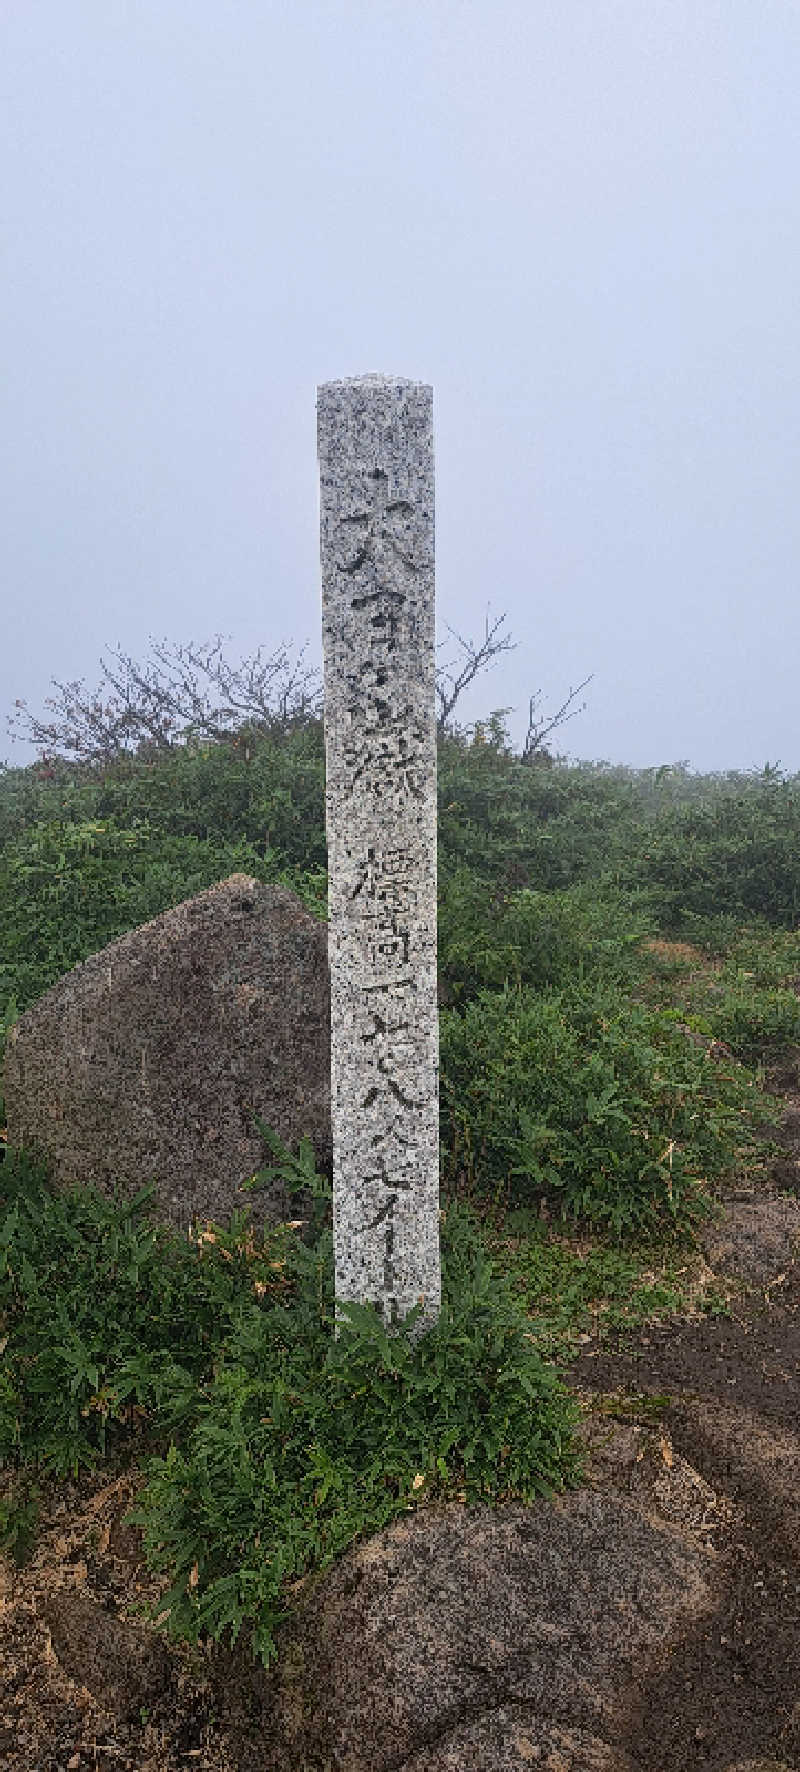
(578, 221)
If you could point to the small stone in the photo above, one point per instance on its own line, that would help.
(123, 1665)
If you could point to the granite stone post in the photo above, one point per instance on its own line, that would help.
(375, 439)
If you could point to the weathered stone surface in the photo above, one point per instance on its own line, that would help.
(760, 1766)
(123, 1665)
(512, 1739)
(375, 437)
(145, 1062)
(478, 1638)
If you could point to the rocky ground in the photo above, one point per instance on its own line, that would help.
(649, 1622)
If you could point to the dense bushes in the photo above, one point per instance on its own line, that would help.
(737, 856)
(489, 938)
(270, 794)
(600, 1102)
(549, 881)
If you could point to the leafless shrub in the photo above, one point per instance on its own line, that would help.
(186, 693)
(181, 692)
(450, 685)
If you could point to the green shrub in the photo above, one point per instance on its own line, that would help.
(737, 856)
(83, 1287)
(602, 1103)
(692, 844)
(270, 794)
(517, 825)
(303, 1442)
(285, 1443)
(770, 957)
(490, 938)
(753, 1022)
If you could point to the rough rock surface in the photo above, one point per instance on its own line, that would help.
(513, 1738)
(728, 1399)
(761, 1459)
(631, 1459)
(479, 1639)
(145, 1063)
(124, 1666)
(760, 1766)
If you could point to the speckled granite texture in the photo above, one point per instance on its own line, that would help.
(375, 439)
(143, 1062)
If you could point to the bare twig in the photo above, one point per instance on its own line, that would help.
(179, 693)
(450, 686)
(540, 726)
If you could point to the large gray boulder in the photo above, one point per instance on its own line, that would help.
(147, 1062)
(474, 1641)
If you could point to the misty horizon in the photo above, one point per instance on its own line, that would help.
(579, 225)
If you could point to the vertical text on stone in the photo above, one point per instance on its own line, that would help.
(375, 440)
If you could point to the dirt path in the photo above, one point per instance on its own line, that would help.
(731, 1691)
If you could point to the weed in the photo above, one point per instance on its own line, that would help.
(567, 1291)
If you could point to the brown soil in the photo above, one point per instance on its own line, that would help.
(682, 952)
(725, 1395)
(732, 1410)
(731, 1407)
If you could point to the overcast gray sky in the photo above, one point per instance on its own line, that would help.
(577, 218)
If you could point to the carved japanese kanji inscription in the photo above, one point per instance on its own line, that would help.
(375, 438)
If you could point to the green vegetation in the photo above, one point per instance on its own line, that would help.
(593, 1098)
(572, 1289)
(285, 1442)
(619, 953)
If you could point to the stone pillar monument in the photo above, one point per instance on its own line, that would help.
(375, 438)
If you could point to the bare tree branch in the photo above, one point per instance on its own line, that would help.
(540, 726)
(449, 686)
(188, 692)
(179, 693)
